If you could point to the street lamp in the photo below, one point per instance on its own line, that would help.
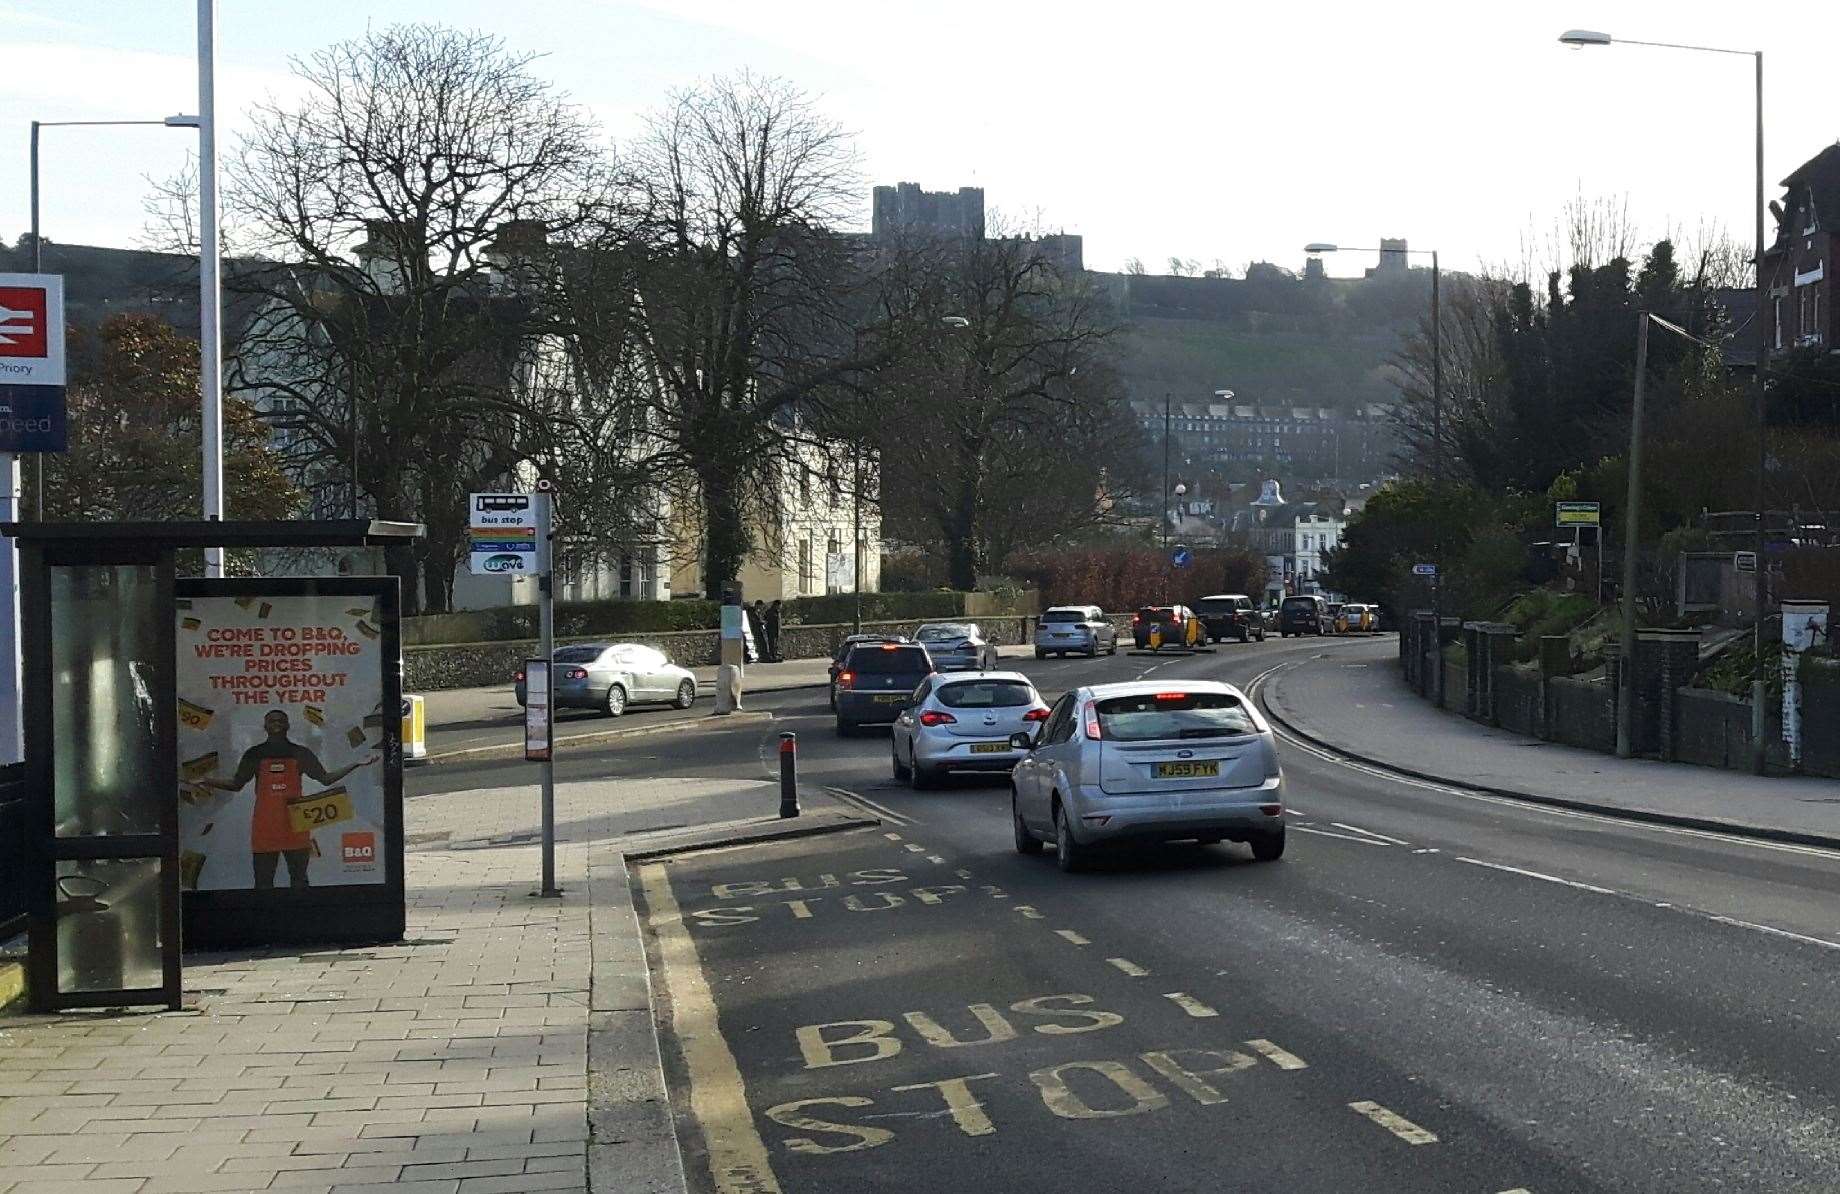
(38, 252)
(1589, 37)
(1437, 428)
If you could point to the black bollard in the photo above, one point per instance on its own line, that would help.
(788, 774)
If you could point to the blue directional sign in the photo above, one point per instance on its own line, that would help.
(1181, 557)
(1424, 570)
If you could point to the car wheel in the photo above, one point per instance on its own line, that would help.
(844, 728)
(901, 770)
(1067, 853)
(1113, 649)
(615, 702)
(1268, 847)
(1026, 842)
(1040, 654)
(1245, 636)
(833, 696)
(921, 778)
(1092, 652)
(686, 694)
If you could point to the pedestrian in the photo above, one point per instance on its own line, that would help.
(757, 632)
(772, 620)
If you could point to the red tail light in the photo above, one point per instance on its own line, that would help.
(1035, 715)
(845, 679)
(1137, 619)
(1092, 723)
(1172, 696)
(933, 717)
(576, 673)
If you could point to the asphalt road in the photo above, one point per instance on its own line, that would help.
(1433, 990)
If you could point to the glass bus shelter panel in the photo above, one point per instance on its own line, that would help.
(109, 932)
(105, 664)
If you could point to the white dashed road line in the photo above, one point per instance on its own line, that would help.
(1394, 1122)
(1128, 967)
(1370, 833)
(1190, 1004)
(1345, 837)
(1071, 937)
(1542, 877)
(1281, 1058)
(1029, 911)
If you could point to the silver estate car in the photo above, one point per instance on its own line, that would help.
(611, 676)
(1083, 628)
(1149, 761)
(956, 646)
(964, 723)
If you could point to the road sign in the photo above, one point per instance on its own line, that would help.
(502, 528)
(32, 415)
(1576, 514)
(1181, 557)
(1424, 570)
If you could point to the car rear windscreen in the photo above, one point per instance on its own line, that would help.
(576, 654)
(941, 634)
(1224, 605)
(1300, 603)
(986, 694)
(877, 661)
(1063, 615)
(1150, 716)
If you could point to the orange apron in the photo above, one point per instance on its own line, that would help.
(277, 782)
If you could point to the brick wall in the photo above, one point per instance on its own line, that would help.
(1517, 701)
(1583, 713)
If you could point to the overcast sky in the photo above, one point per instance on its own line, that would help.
(1218, 129)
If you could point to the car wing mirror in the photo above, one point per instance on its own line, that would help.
(1022, 740)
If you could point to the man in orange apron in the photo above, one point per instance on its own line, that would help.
(279, 765)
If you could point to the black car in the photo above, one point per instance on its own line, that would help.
(877, 682)
(843, 649)
(1303, 614)
(1231, 615)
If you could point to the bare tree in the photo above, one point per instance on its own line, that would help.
(760, 322)
(457, 180)
(1016, 416)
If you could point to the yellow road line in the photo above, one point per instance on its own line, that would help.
(1071, 937)
(1278, 1057)
(718, 1100)
(1191, 1005)
(1394, 1122)
(1129, 967)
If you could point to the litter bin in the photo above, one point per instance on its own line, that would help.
(414, 730)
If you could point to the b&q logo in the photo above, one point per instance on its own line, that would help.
(358, 849)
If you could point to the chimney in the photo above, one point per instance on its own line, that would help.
(515, 253)
(381, 254)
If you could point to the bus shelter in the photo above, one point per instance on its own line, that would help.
(104, 619)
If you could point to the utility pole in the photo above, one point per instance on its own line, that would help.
(210, 307)
(1163, 517)
(1758, 679)
(546, 630)
(1437, 468)
(856, 543)
(1632, 503)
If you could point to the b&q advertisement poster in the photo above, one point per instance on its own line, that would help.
(281, 778)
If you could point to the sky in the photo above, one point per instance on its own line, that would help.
(1223, 130)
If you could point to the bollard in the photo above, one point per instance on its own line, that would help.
(788, 774)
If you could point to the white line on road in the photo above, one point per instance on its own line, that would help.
(935, 859)
(882, 809)
(1128, 967)
(1365, 841)
(963, 873)
(1281, 1058)
(1190, 1004)
(1370, 833)
(1028, 911)
(1745, 924)
(893, 837)
(1393, 1122)
(1071, 937)
(1544, 878)
(911, 848)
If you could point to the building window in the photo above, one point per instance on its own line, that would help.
(806, 576)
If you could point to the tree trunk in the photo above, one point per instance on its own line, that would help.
(963, 551)
(400, 560)
(725, 535)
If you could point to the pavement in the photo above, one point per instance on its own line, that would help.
(506, 1044)
(465, 722)
(1352, 701)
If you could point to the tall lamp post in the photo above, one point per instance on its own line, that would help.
(1588, 37)
(1437, 429)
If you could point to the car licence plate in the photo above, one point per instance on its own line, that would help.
(989, 748)
(890, 698)
(1199, 769)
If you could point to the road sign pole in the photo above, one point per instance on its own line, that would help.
(546, 621)
(12, 747)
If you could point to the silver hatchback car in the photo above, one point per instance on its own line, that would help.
(965, 723)
(1068, 628)
(1149, 761)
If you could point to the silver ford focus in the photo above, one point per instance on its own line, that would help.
(965, 722)
(1149, 761)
